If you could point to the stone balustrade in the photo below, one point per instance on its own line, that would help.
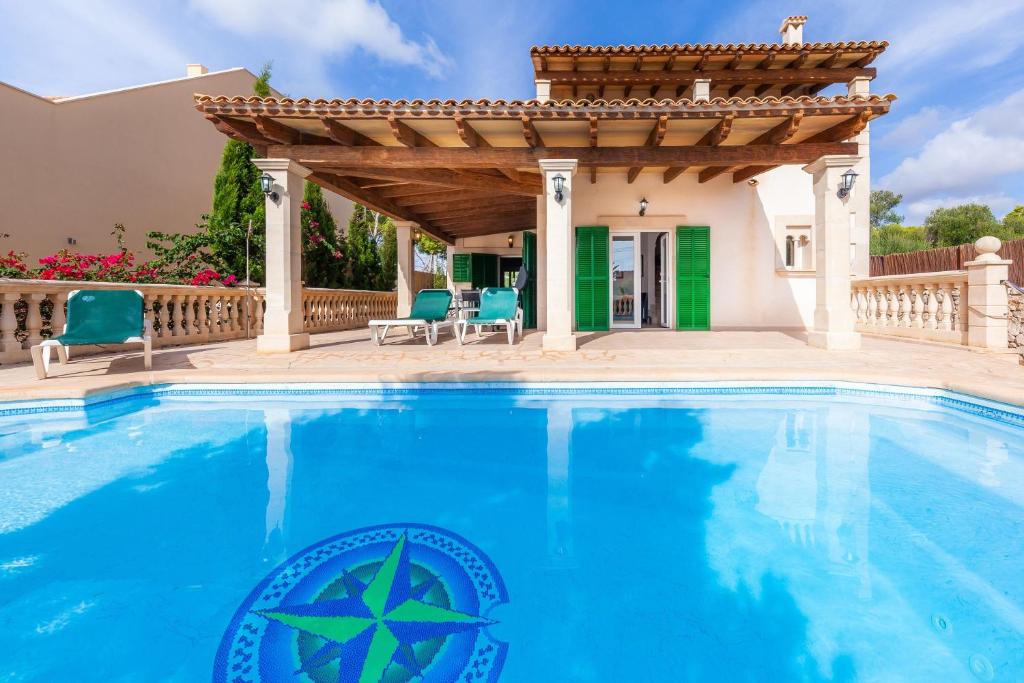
(929, 306)
(32, 310)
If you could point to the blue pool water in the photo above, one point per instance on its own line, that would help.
(513, 535)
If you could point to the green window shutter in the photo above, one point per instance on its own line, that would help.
(693, 277)
(462, 268)
(529, 294)
(484, 271)
(592, 305)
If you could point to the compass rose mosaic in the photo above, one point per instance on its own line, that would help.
(390, 603)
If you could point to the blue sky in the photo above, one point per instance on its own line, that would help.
(956, 133)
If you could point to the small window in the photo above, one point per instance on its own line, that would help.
(796, 248)
(790, 251)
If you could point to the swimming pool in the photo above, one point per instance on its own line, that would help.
(513, 533)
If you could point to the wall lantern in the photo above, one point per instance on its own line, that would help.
(559, 182)
(416, 234)
(846, 183)
(267, 185)
(511, 241)
(643, 206)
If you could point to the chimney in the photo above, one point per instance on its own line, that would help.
(193, 70)
(792, 30)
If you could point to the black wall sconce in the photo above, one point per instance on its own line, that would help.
(643, 206)
(559, 183)
(511, 241)
(267, 185)
(846, 183)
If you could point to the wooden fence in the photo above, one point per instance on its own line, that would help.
(945, 259)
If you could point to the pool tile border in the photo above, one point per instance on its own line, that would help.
(981, 407)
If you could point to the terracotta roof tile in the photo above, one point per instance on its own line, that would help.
(701, 48)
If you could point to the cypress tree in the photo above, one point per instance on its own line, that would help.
(363, 256)
(237, 199)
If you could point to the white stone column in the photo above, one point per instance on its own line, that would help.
(282, 322)
(861, 199)
(833, 223)
(406, 265)
(988, 305)
(559, 240)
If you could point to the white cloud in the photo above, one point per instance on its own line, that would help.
(914, 129)
(967, 156)
(325, 29)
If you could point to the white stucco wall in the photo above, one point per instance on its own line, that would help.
(749, 288)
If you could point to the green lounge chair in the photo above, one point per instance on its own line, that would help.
(99, 316)
(499, 306)
(429, 311)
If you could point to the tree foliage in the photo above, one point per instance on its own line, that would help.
(323, 253)
(1013, 222)
(898, 239)
(883, 208)
(238, 200)
(961, 224)
(363, 250)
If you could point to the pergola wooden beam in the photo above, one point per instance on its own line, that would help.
(243, 131)
(438, 176)
(530, 134)
(404, 164)
(718, 134)
(369, 199)
(493, 230)
(780, 133)
(474, 140)
(593, 143)
(654, 139)
(841, 131)
(712, 172)
(343, 135)
(749, 172)
(479, 204)
(717, 76)
(673, 173)
(405, 134)
(492, 214)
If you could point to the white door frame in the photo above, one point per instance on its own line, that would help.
(637, 280)
(668, 273)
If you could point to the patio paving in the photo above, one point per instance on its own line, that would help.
(645, 355)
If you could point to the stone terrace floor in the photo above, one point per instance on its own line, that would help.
(645, 355)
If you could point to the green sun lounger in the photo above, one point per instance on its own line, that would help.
(429, 311)
(499, 307)
(97, 317)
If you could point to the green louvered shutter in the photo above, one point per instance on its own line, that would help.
(592, 307)
(462, 268)
(529, 293)
(693, 277)
(484, 271)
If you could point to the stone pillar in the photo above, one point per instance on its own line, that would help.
(282, 322)
(702, 90)
(559, 240)
(406, 265)
(987, 303)
(833, 225)
(543, 90)
(860, 202)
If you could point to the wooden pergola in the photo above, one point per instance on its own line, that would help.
(468, 168)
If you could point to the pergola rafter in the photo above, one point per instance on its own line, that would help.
(472, 170)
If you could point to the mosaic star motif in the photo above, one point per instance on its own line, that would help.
(377, 623)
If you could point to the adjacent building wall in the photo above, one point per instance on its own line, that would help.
(141, 156)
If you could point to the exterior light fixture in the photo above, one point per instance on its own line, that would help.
(643, 206)
(416, 234)
(511, 241)
(846, 183)
(267, 185)
(559, 182)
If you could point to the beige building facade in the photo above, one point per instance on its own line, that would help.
(138, 156)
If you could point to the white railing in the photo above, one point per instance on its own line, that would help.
(929, 306)
(31, 310)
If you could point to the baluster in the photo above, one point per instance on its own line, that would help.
(148, 312)
(190, 317)
(34, 318)
(955, 318)
(930, 307)
(165, 316)
(259, 312)
(945, 308)
(57, 317)
(9, 326)
(914, 317)
(202, 317)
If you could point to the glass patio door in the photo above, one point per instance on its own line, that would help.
(625, 275)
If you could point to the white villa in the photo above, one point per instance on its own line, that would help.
(686, 186)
